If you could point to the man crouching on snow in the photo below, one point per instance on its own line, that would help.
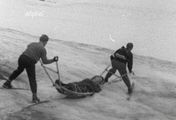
(87, 85)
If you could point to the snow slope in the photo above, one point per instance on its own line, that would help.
(151, 25)
(154, 97)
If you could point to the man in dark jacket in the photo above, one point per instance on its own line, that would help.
(119, 60)
(27, 60)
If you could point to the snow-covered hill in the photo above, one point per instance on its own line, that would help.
(154, 97)
(108, 23)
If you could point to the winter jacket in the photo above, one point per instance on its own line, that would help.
(127, 55)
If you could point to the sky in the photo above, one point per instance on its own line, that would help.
(150, 25)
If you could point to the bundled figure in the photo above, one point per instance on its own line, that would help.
(119, 60)
(80, 88)
(27, 60)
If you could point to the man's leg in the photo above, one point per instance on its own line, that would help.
(110, 73)
(15, 74)
(20, 69)
(112, 70)
(32, 81)
(125, 78)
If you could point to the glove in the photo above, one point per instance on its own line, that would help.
(55, 58)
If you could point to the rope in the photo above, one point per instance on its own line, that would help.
(105, 70)
(119, 78)
(108, 65)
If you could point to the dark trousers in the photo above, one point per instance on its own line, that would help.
(24, 62)
(121, 67)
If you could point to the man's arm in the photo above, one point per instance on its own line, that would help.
(120, 53)
(44, 58)
(120, 56)
(47, 61)
(130, 62)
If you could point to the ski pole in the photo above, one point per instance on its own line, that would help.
(47, 73)
(57, 67)
(50, 69)
(57, 70)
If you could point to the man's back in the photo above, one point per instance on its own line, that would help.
(35, 51)
(128, 57)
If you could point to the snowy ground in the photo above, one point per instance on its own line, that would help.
(154, 97)
(147, 23)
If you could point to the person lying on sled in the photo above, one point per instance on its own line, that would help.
(86, 85)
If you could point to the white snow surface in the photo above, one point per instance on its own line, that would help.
(153, 98)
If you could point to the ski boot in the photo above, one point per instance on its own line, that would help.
(7, 85)
(35, 99)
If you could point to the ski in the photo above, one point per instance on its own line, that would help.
(2, 77)
(130, 95)
(33, 104)
(114, 81)
(14, 88)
